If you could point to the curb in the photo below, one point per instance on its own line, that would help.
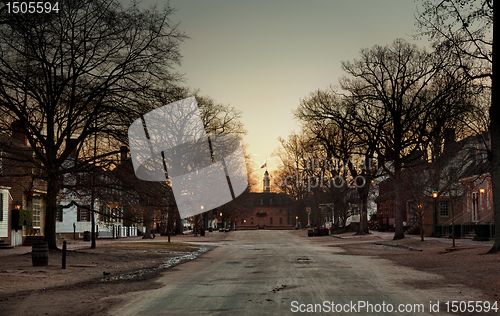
(398, 246)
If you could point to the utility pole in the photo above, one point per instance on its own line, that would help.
(92, 198)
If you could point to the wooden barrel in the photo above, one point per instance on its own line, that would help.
(86, 236)
(40, 254)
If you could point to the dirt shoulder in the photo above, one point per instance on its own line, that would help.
(466, 264)
(92, 276)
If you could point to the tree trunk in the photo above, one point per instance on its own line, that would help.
(363, 210)
(178, 223)
(170, 221)
(398, 205)
(148, 222)
(51, 209)
(495, 175)
(205, 220)
(196, 224)
(421, 223)
(495, 134)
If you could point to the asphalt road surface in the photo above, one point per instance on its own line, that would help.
(281, 273)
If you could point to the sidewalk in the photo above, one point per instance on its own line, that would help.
(78, 244)
(388, 236)
(75, 244)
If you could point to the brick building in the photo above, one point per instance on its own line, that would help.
(267, 210)
(454, 189)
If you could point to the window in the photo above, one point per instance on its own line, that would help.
(251, 221)
(281, 220)
(105, 215)
(83, 214)
(270, 220)
(34, 169)
(261, 202)
(475, 206)
(59, 213)
(444, 210)
(242, 221)
(270, 201)
(102, 214)
(36, 207)
(1, 206)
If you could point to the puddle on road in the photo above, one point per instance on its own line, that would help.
(171, 262)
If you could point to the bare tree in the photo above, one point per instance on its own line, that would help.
(397, 90)
(326, 114)
(469, 28)
(82, 71)
(310, 175)
(462, 27)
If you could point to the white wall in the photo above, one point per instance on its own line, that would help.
(4, 224)
(16, 238)
(69, 217)
(105, 230)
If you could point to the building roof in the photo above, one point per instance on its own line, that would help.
(476, 170)
(385, 196)
(269, 199)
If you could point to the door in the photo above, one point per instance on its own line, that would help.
(261, 223)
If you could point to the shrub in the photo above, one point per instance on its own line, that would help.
(478, 238)
(483, 231)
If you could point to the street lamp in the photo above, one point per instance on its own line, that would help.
(434, 220)
(420, 217)
(308, 210)
(17, 205)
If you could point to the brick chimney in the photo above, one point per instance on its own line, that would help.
(123, 153)
(18, 132)
(449, 137)
(73, 142)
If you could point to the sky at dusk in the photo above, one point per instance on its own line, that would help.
(262, 57)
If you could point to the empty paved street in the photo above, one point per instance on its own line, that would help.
(282, 273)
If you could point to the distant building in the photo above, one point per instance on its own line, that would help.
(22, 189)
(74, 216)
(267, 210)
(456, 188)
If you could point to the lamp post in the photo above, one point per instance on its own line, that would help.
(452, 215)
(452, 222)
(420, 215)
(17, 205)
(308, 210)
(434, 220)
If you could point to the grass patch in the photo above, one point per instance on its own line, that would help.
(155, 254)
(173, 246)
